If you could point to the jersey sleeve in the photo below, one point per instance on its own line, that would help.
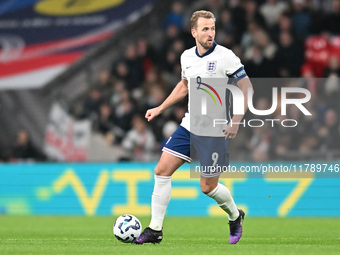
(183, 67)
(234, 68)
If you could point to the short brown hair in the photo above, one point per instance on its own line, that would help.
(200, 14)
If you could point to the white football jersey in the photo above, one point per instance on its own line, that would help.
(217, 62)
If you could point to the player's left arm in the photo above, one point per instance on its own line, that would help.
(231, 131)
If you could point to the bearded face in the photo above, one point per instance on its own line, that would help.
(204, 33)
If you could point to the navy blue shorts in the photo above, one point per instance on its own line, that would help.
(211, 151)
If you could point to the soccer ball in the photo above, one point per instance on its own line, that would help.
(127, 228)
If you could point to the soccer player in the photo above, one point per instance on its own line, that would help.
(207, 59)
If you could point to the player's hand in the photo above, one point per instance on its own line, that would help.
(152, 113)
(231, 131)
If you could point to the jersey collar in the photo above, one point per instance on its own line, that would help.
(208, 52)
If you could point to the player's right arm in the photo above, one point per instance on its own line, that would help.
(178, 93)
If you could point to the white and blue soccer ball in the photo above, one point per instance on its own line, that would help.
(127, 228)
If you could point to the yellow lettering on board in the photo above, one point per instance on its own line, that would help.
(183, 192)
(183, 176)
(44, 193)
(74, 7)
(131, 178)
(297, 192)
(89, 203)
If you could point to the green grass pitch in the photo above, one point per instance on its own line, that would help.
(182, 235)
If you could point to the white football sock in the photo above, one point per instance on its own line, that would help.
(160, 200)
(222, 196)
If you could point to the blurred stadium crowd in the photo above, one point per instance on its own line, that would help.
(296, 40)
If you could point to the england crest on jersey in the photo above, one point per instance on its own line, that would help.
(211, 66)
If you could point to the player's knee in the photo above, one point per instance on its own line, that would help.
(206, 188)
(159, 170)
